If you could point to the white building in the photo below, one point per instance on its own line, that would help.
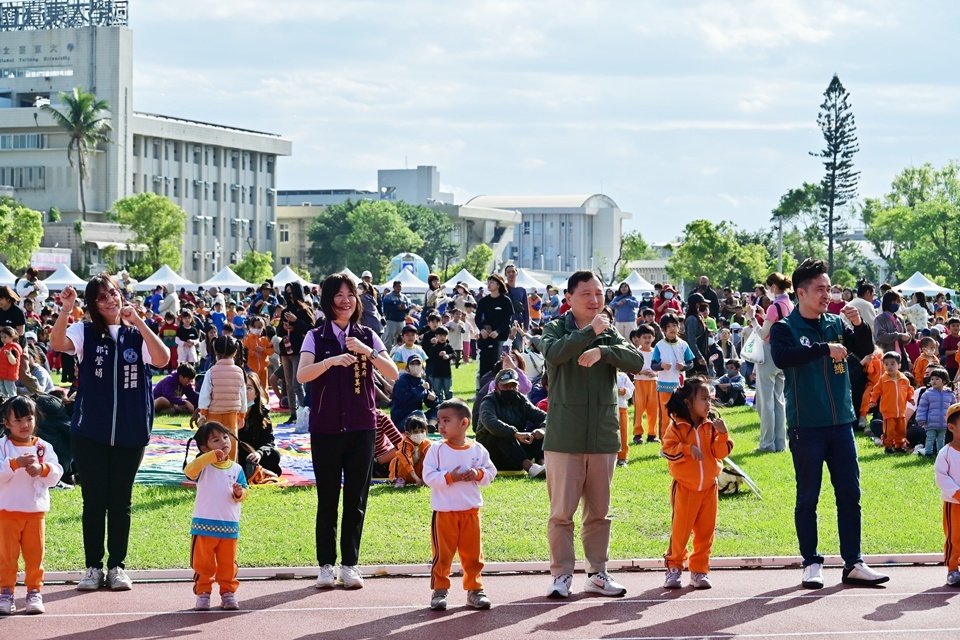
(223, 177)
(560, 234)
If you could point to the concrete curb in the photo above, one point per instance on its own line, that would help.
(406, 570)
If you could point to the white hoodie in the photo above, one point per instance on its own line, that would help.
(20, 493)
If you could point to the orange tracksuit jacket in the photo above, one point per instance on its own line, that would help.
(892, 395)
(920, 366)
(694, 490)
(873, 370)
(409, 460)
(257, 362)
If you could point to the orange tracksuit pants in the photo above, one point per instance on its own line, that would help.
(645, 401)
(624, 442)
(693, 512)
(664, 397)
(951, 531)
(214, 559)
(231, 422)
(26, 536)
(894, 433)
(452, 533)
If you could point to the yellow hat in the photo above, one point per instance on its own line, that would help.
(952, 409)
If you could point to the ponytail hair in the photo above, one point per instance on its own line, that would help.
(225, 347)
(677, 407)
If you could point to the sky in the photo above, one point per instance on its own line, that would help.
(677, 110)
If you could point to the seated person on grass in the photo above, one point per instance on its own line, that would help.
(257, 430)
(407, 466)
(175, 393)
(730, 386)
(504, 427)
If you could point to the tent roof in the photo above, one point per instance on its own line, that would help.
(163, 276)
(62, 278)
(6, 276)
(528, 282)
(410, 282)
(919, 282)
(463, 276)
(356, 279)
(638, 284)
(227, 279)
(286, 275)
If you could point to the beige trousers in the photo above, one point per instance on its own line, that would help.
(584, 479)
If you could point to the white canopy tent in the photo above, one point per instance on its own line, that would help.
(528, 282)
(356, 279)
(162, 277)
(227, 279)
(410, 282)
(637, 284)
(63, 278)
(286, 275)
(919, 282)
(465, 277)
(6, 276)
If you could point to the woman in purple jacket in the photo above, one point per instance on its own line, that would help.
(338, 359)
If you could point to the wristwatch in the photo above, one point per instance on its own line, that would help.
(374, 354)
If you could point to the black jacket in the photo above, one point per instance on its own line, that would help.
(502, 419)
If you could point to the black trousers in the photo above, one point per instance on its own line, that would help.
(509, 454)
(106, 485)
(347, 458)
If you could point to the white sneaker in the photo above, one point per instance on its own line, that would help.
(812, 576)
(536, 470)
(862, 422)
(861, 574)
(560, 587)
(700, 580)
(118, 580)
(350, 578)
(603, 584)
(34, 602)
(7, 605)
(91, 580)
(672, 581)
(327, 578)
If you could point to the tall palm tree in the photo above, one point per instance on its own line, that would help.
(86, 121)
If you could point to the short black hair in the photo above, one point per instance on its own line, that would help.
(643, 330)
(458, 406)
(807, 271)
(864, 288)
(441, 331)
(733, 362)
(186, 370)
(940, 372)
(953, 321)
(892, 355)
(668, 319)
(580, 276)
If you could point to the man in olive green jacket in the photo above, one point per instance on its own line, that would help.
(582, 354)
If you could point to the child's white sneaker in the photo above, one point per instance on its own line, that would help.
(34, 602)
(700, 580)
(438, 602)
(203, 602)
(7, 605)
(327, 578)
(536, 470)
(672, 581)
(228, 601)
(477, 599)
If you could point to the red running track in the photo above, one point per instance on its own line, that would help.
(744, 603)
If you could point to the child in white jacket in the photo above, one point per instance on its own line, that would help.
(947, 473)
(28, 468)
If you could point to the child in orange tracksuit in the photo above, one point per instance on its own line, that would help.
(259, 349)
(223, 396)
(624, 391)
(694, 447)
(873, 369)
(407, 467)
(28, 468)
(645, 399)
(892, 393)
(928, 356)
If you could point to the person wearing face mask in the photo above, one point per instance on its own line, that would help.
(836, 300)
(889, 331)
(504, 427)
(411, 392)
(666, 302)
(770, 378)
(407, 466)
(259, 348)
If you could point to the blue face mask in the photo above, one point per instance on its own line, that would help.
(894, 308)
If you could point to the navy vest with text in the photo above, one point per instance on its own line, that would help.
(114, 403)
(343, 398)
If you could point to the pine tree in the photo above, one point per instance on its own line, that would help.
(839, 184)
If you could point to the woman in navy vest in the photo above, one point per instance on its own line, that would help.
(112, 418)
(338, 359)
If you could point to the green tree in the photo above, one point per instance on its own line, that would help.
(54, 214)
(21, 230)
(632, 247)
(158, 224)
(327, 233)
(477, 261)
(303, 272)
(255, 266)
(86, 121)
(839, 183)
(843, 278)
(434, 228)
(916, 227)
(377, 232)
(713, 250)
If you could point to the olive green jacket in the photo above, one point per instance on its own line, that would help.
(582, 416)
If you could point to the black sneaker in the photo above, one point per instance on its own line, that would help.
(637, 439)
(888, 450)
(652, 439)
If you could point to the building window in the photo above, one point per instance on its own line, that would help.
(166, 152)
(136, 146)
(284, 235)
(243, 162)
(216, 157)
(269, 233)
(233, 159)
(176, 152)
(196, 155)
(156, 149)
(213, 227)
(134, 183)
(176, 188)
(196, 190)
(214, 190)
(270, 162)
(526, 227)
(233, 193)
(284, 262)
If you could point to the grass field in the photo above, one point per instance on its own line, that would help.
(901, 509)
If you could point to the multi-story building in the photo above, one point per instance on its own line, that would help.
(559, 234)
(223, 177)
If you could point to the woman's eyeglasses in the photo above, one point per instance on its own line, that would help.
(109, 293)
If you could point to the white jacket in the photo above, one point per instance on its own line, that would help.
(19, 492)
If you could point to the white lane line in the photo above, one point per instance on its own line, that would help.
(795, 634)
(872, 594)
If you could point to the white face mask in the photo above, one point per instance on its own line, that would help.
(250, 404)
(256, 332)
(769, 293)
(414, 370)
(835, 295)
(417, 438)
(668, 295)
